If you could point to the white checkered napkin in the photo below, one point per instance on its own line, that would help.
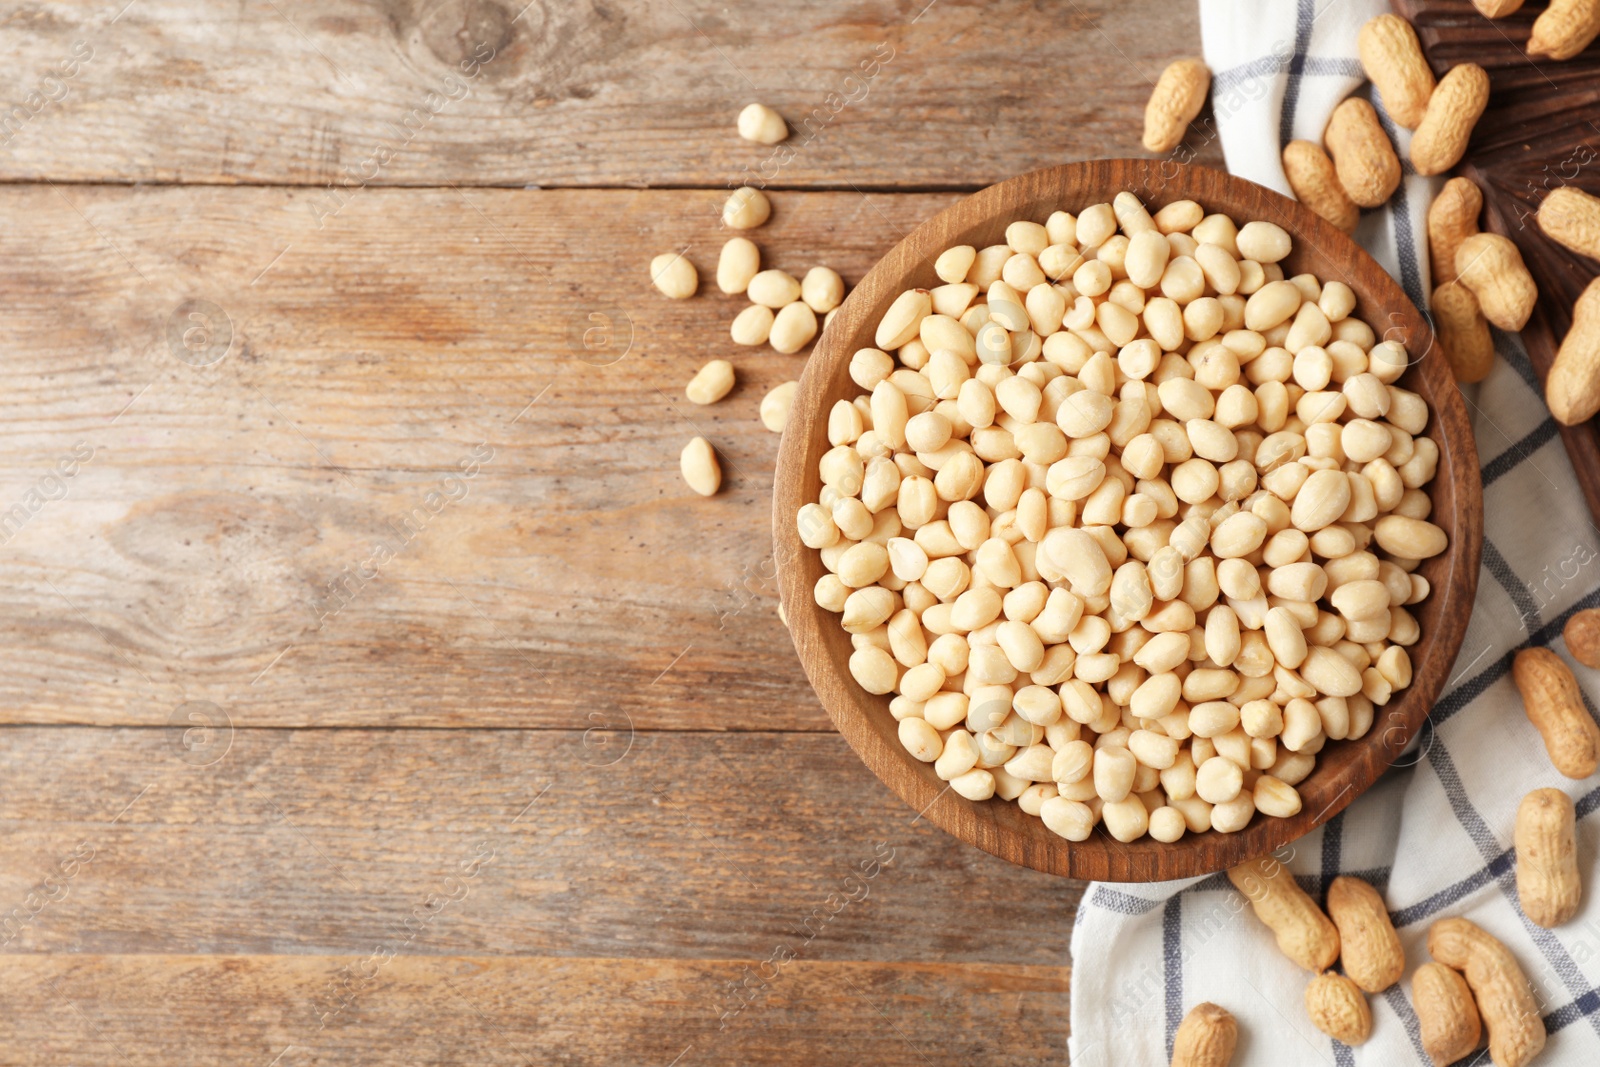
(1280, 67)
(1433, 835)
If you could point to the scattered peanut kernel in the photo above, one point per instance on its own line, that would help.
(775, 406)
(752, 326)
(674, 275)
(746, 209)
(793, 328)
(761, 124)
(711, 383)
(822, 289)
(739, 262)
(700, 468)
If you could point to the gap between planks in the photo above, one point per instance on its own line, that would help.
(844, 186)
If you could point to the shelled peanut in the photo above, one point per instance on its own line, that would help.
(1355, 167)
(1447, 1016)
(1548, 883)
(1582, 636)
(1462, 332)
(1554, 705)
(1369, 947)
(1565, 28)
(1492, 268)
(1207, 1037)
(1364, 160)
(1177, 98)
(1337, 1008)
(1454, 108)
(1572, 388)
(1452, 218)
(1304, 932)
(1501, 990)
(1572, 217)
(1359, 934)
(1315, 183)
(1392, 58)
(1124, 521)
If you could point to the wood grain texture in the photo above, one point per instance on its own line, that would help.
(225, 1010)
(897, 94)
(1538, 133)
(213, 545)
(538, 843)
(1344, 769)
(220, 400)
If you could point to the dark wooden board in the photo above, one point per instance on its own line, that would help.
(1344, 769)
(1540, 131)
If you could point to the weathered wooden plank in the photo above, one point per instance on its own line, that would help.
(492, 843)
(887, 94)
(213, 540)
(229, 1010)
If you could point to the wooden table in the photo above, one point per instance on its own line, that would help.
(376, 691)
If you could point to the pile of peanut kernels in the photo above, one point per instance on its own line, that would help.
(1129, 522)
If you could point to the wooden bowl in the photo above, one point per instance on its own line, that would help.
(1344, 768)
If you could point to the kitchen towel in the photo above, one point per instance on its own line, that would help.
(1434, 834)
